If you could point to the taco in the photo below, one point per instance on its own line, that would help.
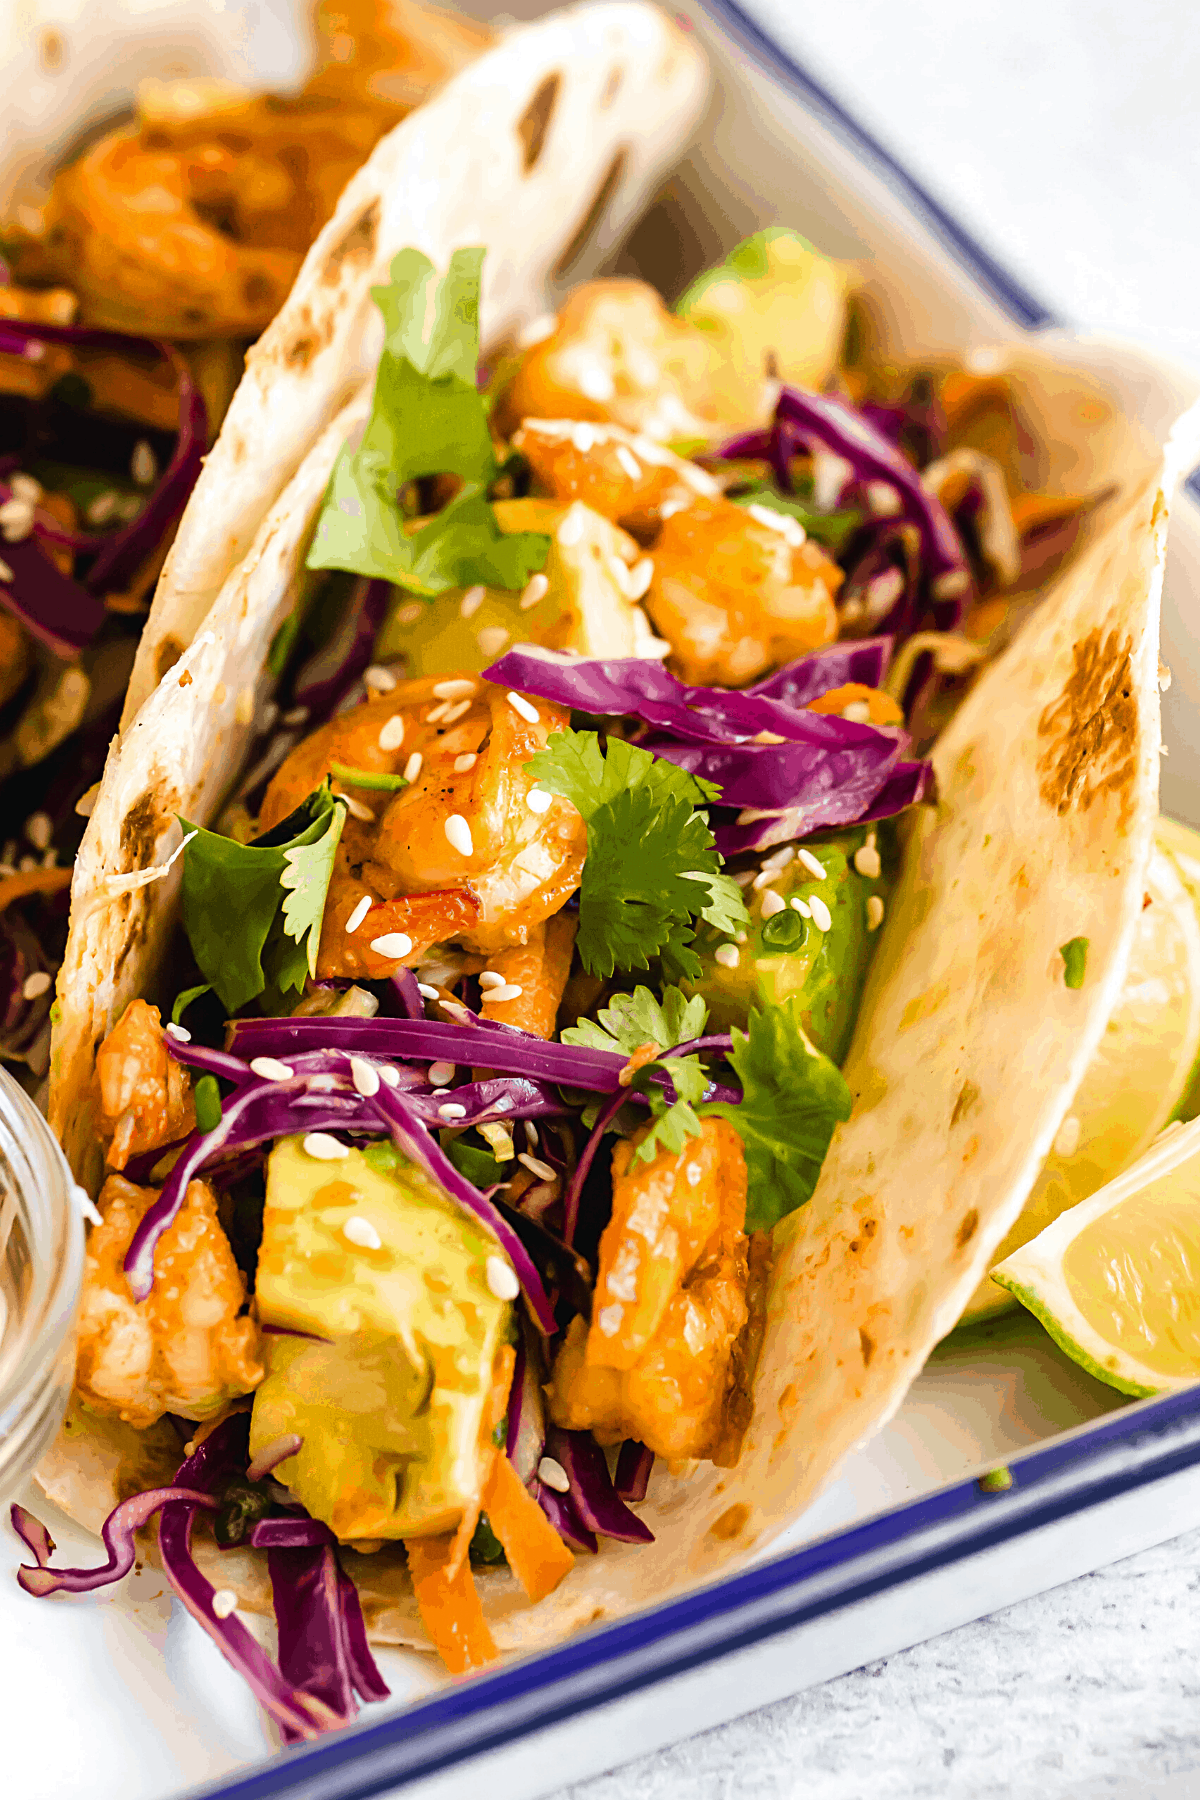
(576, 966)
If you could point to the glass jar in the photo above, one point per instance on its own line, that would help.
(41, 1269)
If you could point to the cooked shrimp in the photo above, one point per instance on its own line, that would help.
(735, 595)
(616, 353)
(621, 474)
(670, 1302)
(187, 1348)
(458, 854)
(538, 970)
(145, 1096)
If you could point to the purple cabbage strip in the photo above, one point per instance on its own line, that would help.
(904, 786)
(839, 768)
(525, 1434)
(289, 1534)
(209, 1062)
(328, 676)
(53, 607)
(574, 1193)
(316, 1610)
(408, 994)
(364, 1671)
(634, 1464)
(596, 1501)
(560, 1510)
(117, 1533)
(864, 660)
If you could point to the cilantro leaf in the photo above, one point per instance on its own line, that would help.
(253, 912)
(792, 1098)
(831, 529)
(631, 1020)
(674, 1123)
(670, 1132)
(652, 866)
(427, 418)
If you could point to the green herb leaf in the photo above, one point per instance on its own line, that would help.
(792, 1099)
(253, 912)
(631, 1020)
(831, 529)
(1074, 955)
(427, 418)
(670, 1132)
(652, 866)
(479, 1166)
(184, 1000)
(382, 1156)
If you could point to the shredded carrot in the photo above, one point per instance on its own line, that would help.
(536, 1554)
(884, 710)
(449, 1604)
(32, 881)
(493, 1413)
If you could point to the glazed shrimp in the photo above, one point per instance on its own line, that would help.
(538, 971)
(145, 1097)
(620, 474)
(457, 854)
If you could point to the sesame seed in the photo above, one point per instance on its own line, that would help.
(492, 639)
(26, 488)
(426, 992)
(408, 615)
(180, 1033)
(39, 829)
(101, 508)
(727, 955)
(36, 985)
(295, 715)
(572, 527)
(354, 807)
(609, 1319)
(639, 578)
(271, 1069)
(358, 915)
(16, 520)
(466, 761)
(789, 528)
(883, 499)
(441, 1072)
(392, 944)
(867, 862)
(772, 903)
(584, 438)
(382, 680)
(324, 1147)
(669, 508)
(490, 979)
(452, 1110)
(951, 585)
(365, 1077)
(800, 906)
(536, 589)
(538, 800)
(437, 713)
(224, 1601)
(471, 602)
(391, 732)
(457, 688)
(143, 464)
(6, 573)
(857, 713)
(412, 767)
(822, 918)
(458, 835)
(552, 1475)
(389, 1076)
(745, 876)
(629, 463)
(763, 879)
(536, 1166)
(527, 710)
(501, 1278)
(531, 1134)
(874, 912)
(361, 1231)
(509, 990)
(694, 1173)
(811, 864)
(1067, 1141)
(455, 711)
(779, 859)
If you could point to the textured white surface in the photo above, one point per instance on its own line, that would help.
(1062, 133)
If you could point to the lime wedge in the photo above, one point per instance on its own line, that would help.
(1142, 1067)
(1116, 1280)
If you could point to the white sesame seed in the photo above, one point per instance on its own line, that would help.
(456, 688)
(822, 918)
(536, 589)
(492, 639)
(874, 912)
(490, 979)
(552, 1475)
(452, 1110)
(772, 903)
(867, 862)
(455, 712)
(437, 713)
(365, 1077)
(358, 915)
(572, 527)
(763, 879)
(224, 1601)
(669, 508)
(26, 864)
(883, 499)
(426, 992)
(16, 520)
(39, 829)
(382, 680)
(538, 800)
(392, 944)
(800, 906)
(1067, 1141)
(531, 1134)
(629, 462)
(391, 732)
(295, 715)
(527, 710)
(389, 1076)
(6, 573)
(694, 1174)
(510, 990)
(471, 602)
(727, 955)
(101, 508)
(361, 1231)
(466, 761)
(639, 578)
(584, 438)
(180, 1033)
(811, 864)
(787, 527)
(36, 985)
(441, 1072)
(412, 767)
(779, 859)
(951, 585)
(501, 1278)
(409, 614)
(324, 1147)
(536, 1166)
(25, 487)
(857, 713)
(609, 1318)
(354, 807)
(458, 835)
(271, 1069)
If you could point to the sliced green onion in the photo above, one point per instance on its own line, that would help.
(207, 1096)
(365, 779)
(1074, 957)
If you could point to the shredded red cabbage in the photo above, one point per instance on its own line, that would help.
(323, 1649)
(117, 1534)
(560, 1510)
(53, 607)
(525, 1432)
(905, 785)
(331, 672)
(295, 1533)
(634, 1464)
(593, 1496)
(864, 660)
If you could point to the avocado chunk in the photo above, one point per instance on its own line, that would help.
(390, 1388)
(787, 954)
(584, 608)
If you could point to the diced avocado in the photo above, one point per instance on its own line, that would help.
(775, 306)
(584, 607)
(392, 1405)
(825, 968)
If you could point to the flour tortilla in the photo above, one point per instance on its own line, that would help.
(566, 125)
